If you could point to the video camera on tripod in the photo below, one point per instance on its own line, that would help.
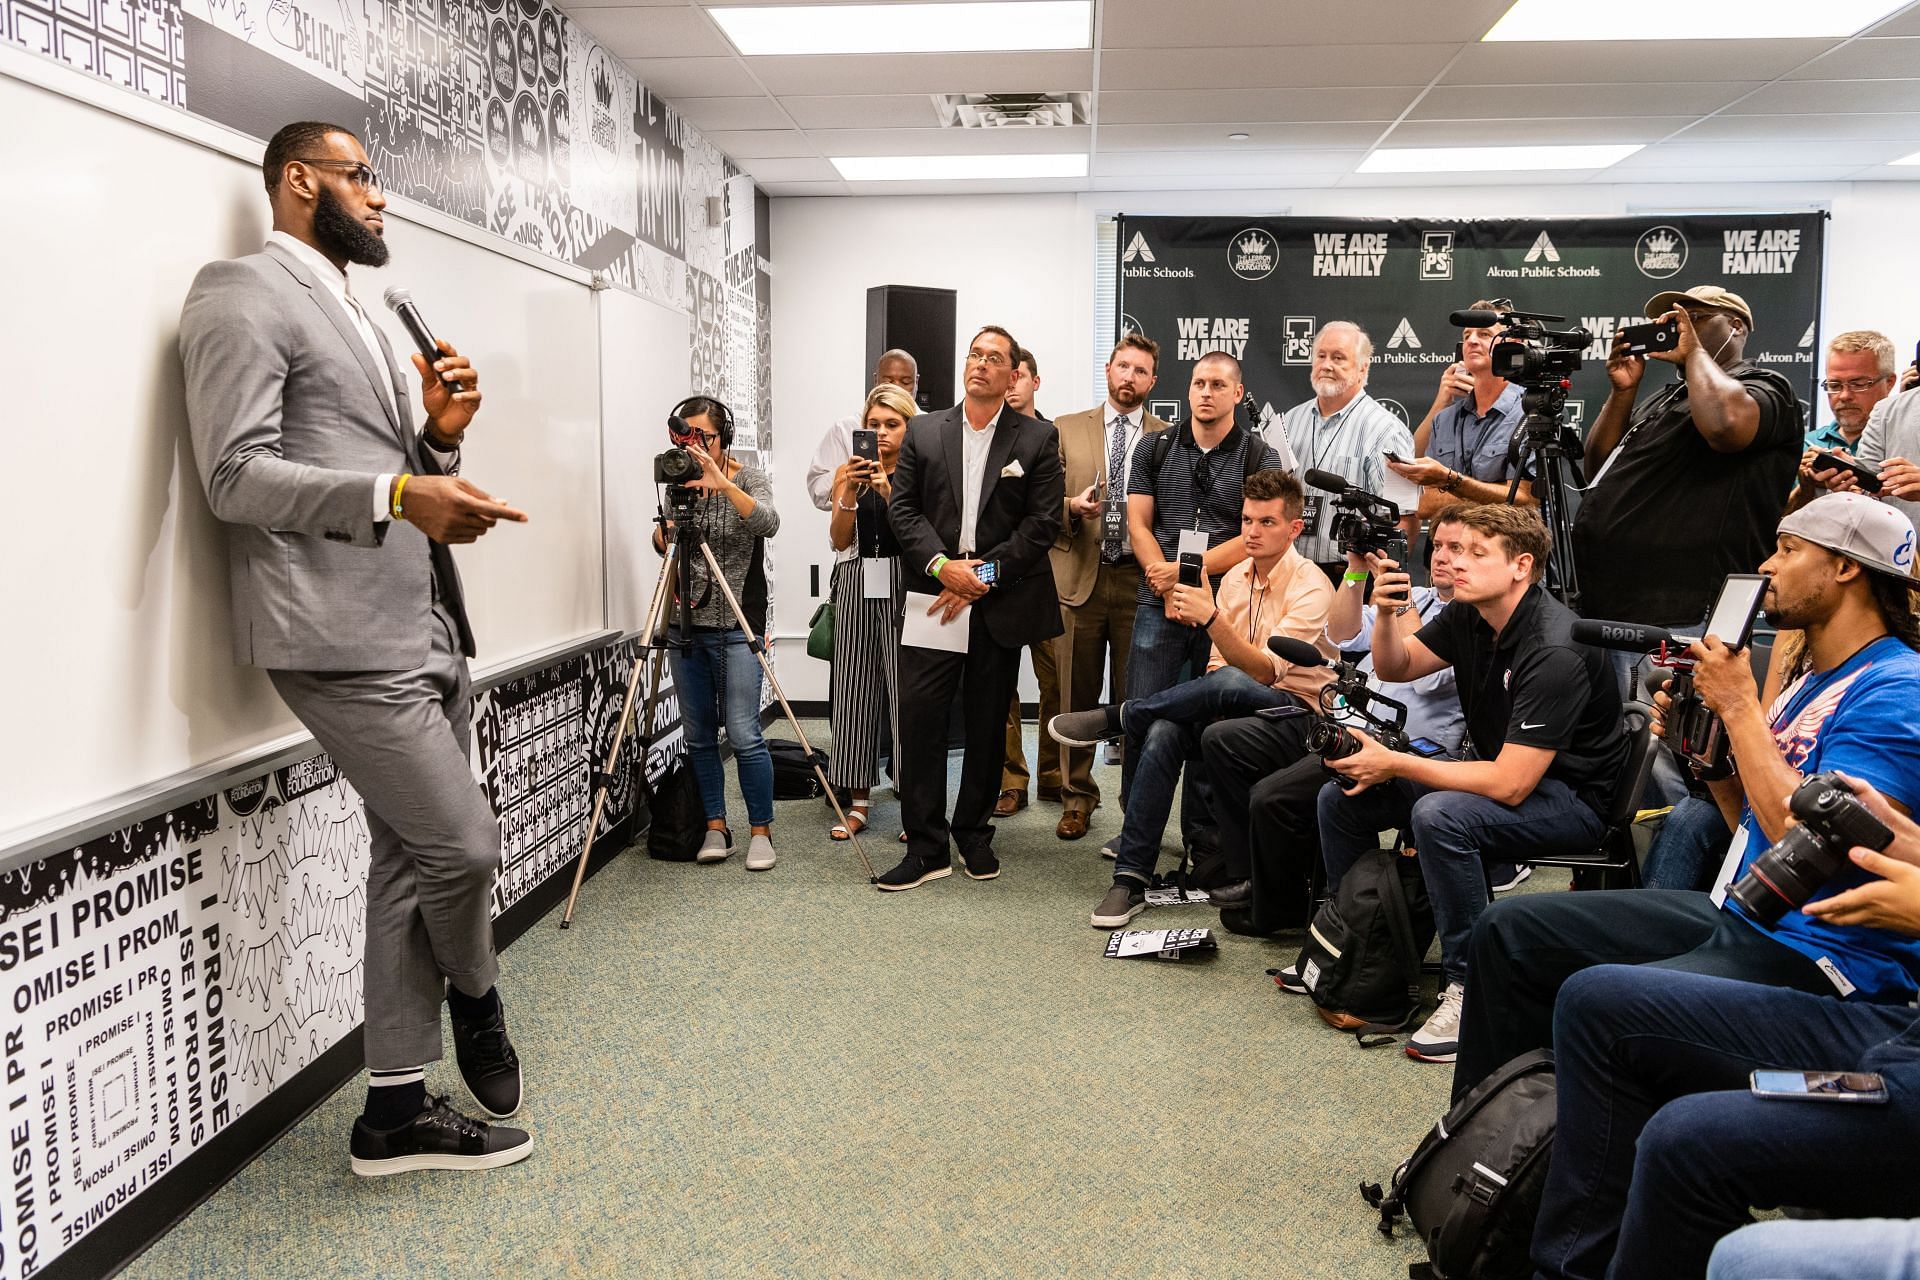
(1350, 695)
(1527, 352)
(1363, 522)
(1694, 732)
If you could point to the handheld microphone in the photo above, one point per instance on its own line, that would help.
(402, 304)
(1298, 652)
(1474, 319)
(1325, 480)
(1624, 635)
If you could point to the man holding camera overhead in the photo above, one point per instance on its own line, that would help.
(1841, 575)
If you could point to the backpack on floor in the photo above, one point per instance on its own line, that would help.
(677, 821)
(793, 776)
(1361, 961)
(1472, 1187)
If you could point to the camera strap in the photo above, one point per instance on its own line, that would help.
(1654, 410)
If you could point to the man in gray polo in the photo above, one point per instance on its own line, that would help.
(1465, 442)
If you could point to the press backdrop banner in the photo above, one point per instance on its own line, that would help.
(1260, 288)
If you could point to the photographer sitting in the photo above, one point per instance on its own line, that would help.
(1841, 574)
(1274, 592)
(1661, 1146)
(1466, 442)
(733, 504)
(1543, 717)
(1276, 834)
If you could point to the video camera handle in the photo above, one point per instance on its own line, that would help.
(1348, 683)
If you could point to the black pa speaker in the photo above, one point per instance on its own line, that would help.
(919, 321)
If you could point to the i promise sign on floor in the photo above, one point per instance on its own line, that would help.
(1260, 288)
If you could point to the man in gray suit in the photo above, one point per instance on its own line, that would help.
(339, 513)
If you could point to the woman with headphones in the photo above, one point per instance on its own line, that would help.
(715, 674)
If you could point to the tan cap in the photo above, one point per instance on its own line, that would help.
(1706, 295)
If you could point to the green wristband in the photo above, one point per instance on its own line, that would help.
(939, 563)
(1353, 576)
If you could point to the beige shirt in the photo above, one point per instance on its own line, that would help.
(1292, 600)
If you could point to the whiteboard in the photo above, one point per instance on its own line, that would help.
(116, 658)
(644, 373)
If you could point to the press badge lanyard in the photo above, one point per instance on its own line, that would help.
(1656, 409)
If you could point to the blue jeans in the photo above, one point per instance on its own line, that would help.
(1163, 650)
(1876, 1249)
(1660, 1148)
(1690, 847)
(1455, 832)
(1163, 734)
(717, 673)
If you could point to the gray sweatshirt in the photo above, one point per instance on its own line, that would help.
(732, 539)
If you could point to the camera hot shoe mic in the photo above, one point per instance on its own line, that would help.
(1298, 652)
(1623, 635)
(1474, 319)
(1325, 480)
(402, 303)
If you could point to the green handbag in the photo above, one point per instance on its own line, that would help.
(820, 633)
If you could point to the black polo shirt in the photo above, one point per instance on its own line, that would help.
(1194, 488)
(1536, 686)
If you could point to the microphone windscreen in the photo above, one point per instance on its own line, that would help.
(1474, 319)
(1620, 635)
(1298, 652)
(396, 297)
(1326, 480)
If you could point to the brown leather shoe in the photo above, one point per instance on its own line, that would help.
(1073, 825)
(1009, 803)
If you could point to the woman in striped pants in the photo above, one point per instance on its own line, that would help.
(866, 608)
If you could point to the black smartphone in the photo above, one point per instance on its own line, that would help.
(1819, 1086)
(1192, 570)
(866, 444)
(1460, 352)
(1425, 747)
(1865, 476)
(1645, 338)
(1391, 456)
(988, 571)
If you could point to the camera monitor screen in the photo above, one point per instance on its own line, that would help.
(1732, 616)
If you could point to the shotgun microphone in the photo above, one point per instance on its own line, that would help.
(1624, 635)
(1298, 652)
(1474, 319)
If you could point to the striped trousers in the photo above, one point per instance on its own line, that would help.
(866, 676)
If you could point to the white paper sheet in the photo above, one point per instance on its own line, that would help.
(928, 632)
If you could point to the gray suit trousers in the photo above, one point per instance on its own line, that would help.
(400, 737)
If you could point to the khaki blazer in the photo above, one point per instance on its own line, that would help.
(1083, 458)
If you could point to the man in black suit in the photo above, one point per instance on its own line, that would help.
(976, 484)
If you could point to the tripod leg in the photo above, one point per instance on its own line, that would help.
(760, 651)
(652, 665)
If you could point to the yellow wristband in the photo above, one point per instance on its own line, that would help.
(399, 489)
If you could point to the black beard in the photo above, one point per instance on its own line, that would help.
(339, 232)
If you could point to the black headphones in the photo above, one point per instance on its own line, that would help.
(702, 406)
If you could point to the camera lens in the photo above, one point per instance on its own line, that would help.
(1784, 877)
(1331, 741)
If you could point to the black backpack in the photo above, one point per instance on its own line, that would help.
(1472, 1187)
(677, 820)
(793, 776)
(1361, 961)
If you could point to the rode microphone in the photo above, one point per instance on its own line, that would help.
(1298, 652)
(402, 304)
(1474, 319)
(1325, 480)
(1625, 635)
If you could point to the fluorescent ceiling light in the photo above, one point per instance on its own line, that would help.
(1912, 159)
(1692, 20)
(937, 168)
(994, 26)
(1494, 159)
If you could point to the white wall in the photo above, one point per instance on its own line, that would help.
(1027, 262)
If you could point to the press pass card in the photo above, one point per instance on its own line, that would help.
(1161, 944)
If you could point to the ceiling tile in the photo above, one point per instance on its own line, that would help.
(655, 32)
(711, 114)
(948, 142)
(1757, 155)
(1269, 137)
(1233, 106)
(1498, 102)
(925, 73)
(1630, 61)
(798, 169)
(1905, 24)
(1275, 164)
(1890, 126)
(571, 5)
(1254, 67)
(1498, 177)
(1229, 182)
(1760, 174)
(784, 189)
(910, 111)
(1870, 59)
(1583, 129)
(1154, 24)
(1796, 96)
(677, 78)
(753, 144)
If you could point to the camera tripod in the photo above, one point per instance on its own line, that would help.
(680, 534)
(1543, 437)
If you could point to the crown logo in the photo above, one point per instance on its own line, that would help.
(602, 87)
(1253, 244)
(1661, 242)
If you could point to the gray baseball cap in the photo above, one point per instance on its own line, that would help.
(1859, 528)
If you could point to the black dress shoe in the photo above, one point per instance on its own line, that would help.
(911, 874)
(1239, 920)
(487, 1061)
(438, 1138)
(1237, 894)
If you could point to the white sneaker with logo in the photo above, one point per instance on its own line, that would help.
(1438, 1039)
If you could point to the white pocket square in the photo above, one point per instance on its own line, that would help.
(1013, 469)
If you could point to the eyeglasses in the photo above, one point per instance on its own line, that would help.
(360, 175)
(992, 359)
(1859, 386)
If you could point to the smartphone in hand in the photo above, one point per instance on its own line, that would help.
(866, 444)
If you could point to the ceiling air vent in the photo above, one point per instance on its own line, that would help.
(1011, 110)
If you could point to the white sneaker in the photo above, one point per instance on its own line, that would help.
(1438, 1039)
(760, 854)
(717, 847)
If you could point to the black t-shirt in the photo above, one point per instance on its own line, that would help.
(1672, 518)
(1535, 686)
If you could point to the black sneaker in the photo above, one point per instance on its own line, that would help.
(980, 864)
(1289, 980)
(487, 1061)
(1239, 894)
(911, 874)
(437, 1138)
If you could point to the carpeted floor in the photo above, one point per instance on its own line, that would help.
(790, 1074)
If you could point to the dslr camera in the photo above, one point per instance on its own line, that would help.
(1831, 822)
(675, 466)
(1362, 522)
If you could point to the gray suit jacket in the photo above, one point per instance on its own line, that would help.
(290, 433)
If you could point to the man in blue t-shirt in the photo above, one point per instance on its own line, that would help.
(1841, 575)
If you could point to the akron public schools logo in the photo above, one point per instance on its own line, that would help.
(1404, 336)
(1660, 253)
(1251, 255)
(1542, 248)
(1298, 341)
(1436, 255)
(1137, 249)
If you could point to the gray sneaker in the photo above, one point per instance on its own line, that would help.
(1122, 903)
(760, 854)
(1085, 728)
(717, 847)
(1438, 1039)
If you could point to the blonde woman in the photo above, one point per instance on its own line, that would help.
(866, 604)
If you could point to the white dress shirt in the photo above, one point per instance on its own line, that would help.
(834, 448)
(1136, 423)
(973, 478)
